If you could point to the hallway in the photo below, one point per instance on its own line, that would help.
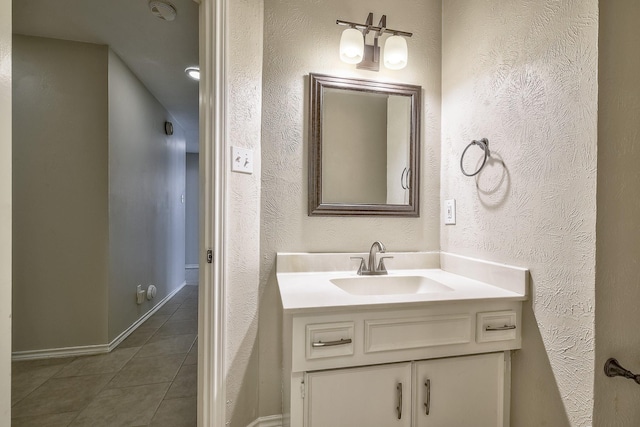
(150, 379)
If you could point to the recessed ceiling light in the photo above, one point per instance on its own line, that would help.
(163, 10)
(193, 72)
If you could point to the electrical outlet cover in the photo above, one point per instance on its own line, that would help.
(450, 212)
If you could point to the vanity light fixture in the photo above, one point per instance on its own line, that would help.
(354, 50)
(193, 72)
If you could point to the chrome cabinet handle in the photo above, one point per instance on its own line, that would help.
(342, 341)
(499, 328)
(404, 187)
(427, 403)
(399, 407)
(407, 179)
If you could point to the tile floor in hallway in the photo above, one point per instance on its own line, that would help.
(150, 379)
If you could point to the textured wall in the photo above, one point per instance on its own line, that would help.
(244, 95)
(524, 74)
(5, 212)
(146, 185)
(618, 247)
(60, 122)
(301, 37)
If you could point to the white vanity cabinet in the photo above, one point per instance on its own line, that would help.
(460, 391)
(345, 368)
(372, 396)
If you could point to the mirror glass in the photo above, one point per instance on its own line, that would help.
(364, 151)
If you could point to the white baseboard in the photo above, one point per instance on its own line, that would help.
(191, 273)
(270, 421)
(88, 350)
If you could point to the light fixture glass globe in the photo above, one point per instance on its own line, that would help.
(351, 46)
(395, 53)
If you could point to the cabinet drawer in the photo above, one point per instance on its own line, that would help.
(496, 326)
(417, 332)
(329, 340)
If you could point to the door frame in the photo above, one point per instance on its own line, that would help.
(212, 159)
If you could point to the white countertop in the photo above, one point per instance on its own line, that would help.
(304, 281)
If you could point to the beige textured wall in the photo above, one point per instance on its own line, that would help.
(618, 244)
(60, 198)
(524, 74)
(302, 37)
(244, 74)
(5, 213)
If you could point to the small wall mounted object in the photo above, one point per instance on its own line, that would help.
(168, 128)
(354, 50)
(482, 143)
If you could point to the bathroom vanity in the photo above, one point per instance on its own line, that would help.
(428, 344)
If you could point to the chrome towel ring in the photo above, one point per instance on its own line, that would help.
(482, 143)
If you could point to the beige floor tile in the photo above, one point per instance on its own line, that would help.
(130, 406)
(176, 413)
(180, 327)
(181, 314)
(155, 321)
(137, 338)
(99, 364)
(49, 420)
(185, 384)
(59, 395)
(168, 309)
(169, 344)
(148, 370)
(192, 357)
(28, 375)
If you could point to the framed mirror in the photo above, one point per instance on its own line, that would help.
(364, 150)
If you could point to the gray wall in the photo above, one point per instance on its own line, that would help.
(60, 193)
(97, 196)
(146, 185)
(618, 231)
(191, 207)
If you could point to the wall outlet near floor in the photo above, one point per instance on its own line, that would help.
(140, 294)
(241, 160)
(450, 212)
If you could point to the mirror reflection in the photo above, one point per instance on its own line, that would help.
(363, 148)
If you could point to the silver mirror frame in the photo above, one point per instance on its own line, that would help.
(319, 82)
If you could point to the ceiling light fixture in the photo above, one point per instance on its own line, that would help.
(163, 10)
(354, 50)
(193, 72)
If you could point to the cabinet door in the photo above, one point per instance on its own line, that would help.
(372, 396)
(460, 391)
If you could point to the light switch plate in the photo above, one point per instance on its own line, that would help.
(450, 212)
(241, 160)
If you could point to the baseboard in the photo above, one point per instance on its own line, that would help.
(141, 320)
(88, 350)
(270, 421)
(191, 273)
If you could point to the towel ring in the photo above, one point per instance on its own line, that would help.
(482, 143)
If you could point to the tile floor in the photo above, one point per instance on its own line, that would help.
(150, 379)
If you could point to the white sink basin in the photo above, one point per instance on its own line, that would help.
(389, 285)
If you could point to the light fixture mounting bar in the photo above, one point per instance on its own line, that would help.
(378, 29)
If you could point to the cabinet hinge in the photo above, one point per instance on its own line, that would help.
(302, 389)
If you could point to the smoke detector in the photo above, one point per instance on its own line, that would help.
(163, 10)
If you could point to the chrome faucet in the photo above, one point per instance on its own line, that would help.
(371, 269)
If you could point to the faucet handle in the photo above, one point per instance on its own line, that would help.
(381, 266)
(362, 266)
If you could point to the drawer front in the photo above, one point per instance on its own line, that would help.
(496, 326)
(329, 340)
(417, 332)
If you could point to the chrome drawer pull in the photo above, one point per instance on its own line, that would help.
(399, 407)
(427, 404)
(343, 341)
(499, 328)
